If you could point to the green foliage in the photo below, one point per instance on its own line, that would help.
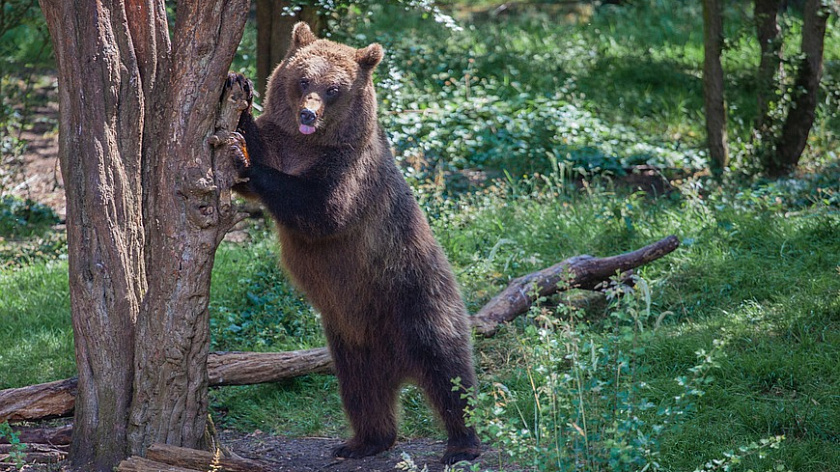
(254, 307)
(19, 217)
(25, 235)
(587, 405)
(16, 453)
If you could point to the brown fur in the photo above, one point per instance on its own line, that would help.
(356, 242)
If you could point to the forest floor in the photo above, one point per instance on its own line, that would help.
(286, 454)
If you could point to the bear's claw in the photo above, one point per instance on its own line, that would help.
(246, 84)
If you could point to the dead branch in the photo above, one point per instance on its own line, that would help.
(56, 399)
(246, 368)
(32, 453)
(53, 436)
(576, 272)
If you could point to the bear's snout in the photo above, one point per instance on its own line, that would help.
(311, 107)
(307, 116)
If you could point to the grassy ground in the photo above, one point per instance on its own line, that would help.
(755, 286)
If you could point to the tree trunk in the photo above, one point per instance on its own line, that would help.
(274, 34)
(186, 219)
(100, 126)
(143, 215)
(713, 86)
(770, 69)
(801, 114)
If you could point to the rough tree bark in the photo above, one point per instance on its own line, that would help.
(143, 212)
(801, 114)
(274, 32)
(770, 70)
(713, 86)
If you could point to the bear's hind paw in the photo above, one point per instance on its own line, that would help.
(454, 455)
(354, 450)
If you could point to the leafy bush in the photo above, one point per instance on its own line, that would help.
(25, 233)
(19, 217)
(585, 405)
(16, 454)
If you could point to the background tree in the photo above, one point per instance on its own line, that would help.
(713, 86)
(770, 69)
(145, 212)
(275, 19)
(793, 137)
(782, 124)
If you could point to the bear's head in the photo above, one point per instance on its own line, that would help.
(323, 90)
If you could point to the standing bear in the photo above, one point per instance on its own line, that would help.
(356, 243)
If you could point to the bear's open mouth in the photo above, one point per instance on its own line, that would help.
(306, 129)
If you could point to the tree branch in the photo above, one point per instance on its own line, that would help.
(577, 272)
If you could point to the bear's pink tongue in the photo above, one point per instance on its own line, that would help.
(306, 129)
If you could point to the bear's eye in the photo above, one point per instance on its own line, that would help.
(304, 83)
(332, 91)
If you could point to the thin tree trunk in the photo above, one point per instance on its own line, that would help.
(801, 114)
(713, 86)
(770, 70)
(143, 213)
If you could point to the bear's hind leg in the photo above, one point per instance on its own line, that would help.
(369, 388)
(436, 380)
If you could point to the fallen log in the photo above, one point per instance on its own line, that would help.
(245, 368)
(59, 435)
(56, 399)
(31, 453)
(47, 400)
(202, 460)
(576, 272)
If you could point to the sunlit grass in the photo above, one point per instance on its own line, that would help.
(36, 341)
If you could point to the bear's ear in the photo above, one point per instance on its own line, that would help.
(302, 35)
(370, 56)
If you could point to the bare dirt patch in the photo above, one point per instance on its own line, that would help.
(313, 454)
(40, 178)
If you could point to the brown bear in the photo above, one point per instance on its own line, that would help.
(354, 240)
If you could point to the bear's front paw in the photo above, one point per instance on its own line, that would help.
(233, 144)
(239, 153)
(235, 81)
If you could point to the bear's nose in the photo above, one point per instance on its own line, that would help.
(307, 116)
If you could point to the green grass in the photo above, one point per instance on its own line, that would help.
(36, 340)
